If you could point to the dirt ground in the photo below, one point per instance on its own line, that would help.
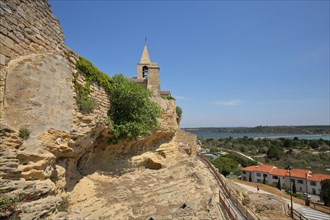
(278, 192)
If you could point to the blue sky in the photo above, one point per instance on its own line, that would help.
(228, 63)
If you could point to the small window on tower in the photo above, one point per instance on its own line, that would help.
(145, 72)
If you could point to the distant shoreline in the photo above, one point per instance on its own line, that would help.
(293, 136)
(266, 131)
(205, 134)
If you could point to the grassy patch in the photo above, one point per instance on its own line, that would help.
(86, 104)
(64, 204)
(24, 133)
(94, 74)
(8, 206)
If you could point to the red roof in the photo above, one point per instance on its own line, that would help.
(278, 172)
(299, 173)
(296, 173)
(317, 177)
(259, 168)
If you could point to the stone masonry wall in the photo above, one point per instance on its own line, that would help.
(26, 27)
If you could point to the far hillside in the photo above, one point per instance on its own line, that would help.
(307, 130)
(313, 155)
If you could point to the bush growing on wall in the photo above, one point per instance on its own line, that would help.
(179, 113)
(24, 133)
(132, 111)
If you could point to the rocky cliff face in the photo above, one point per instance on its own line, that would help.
(67, 153)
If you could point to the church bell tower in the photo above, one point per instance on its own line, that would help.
(148, 71)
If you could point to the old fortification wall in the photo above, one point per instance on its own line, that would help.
(26, 27)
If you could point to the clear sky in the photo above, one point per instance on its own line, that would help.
(227, 63)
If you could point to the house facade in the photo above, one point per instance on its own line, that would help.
(305, 180)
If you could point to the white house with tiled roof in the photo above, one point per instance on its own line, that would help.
(305, 180)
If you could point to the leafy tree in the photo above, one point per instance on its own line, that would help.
(225, 165)
(287, 143)
(325, 191)
(279, 184)
(132, 111)
(275, 152)
(178, 113)
(314, 144)
(241, 159)
(214, 150)
(294, 188)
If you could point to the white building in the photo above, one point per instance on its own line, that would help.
(304, 180)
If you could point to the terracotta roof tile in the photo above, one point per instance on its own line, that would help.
(317, 177)
(259, 168)
(299, 173)
(278, 172)
(295, 173)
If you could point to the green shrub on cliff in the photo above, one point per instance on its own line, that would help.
(8, 206)
(132, 111)
(94, 74)
(86, 104)
(24, 133)
(179, 113)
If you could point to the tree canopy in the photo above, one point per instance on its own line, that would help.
(225, 165)
(132, 112)
(325, 191)
(275, 152)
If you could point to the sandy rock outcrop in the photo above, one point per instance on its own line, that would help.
(68, 152)
(266, 206)
(182, 190)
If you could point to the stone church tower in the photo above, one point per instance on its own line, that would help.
(148, 72)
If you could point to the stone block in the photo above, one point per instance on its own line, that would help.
(8, 52)
(2, 59)
(7, 41)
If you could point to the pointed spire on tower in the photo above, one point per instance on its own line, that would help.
(145, 54)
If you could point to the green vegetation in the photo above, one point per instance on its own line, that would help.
(296, 195)
(93, 74)
(8, 205)
(168, 97)
(279, 184)
(325, 192)
(24, 133)
(317, 129)
(225, 165)
(86, 104)
(231, 163)
(132, 111)
(64, 204)
(294, 188)
(275, 152)
(179, 113)
(305, 154)
(243, 161)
